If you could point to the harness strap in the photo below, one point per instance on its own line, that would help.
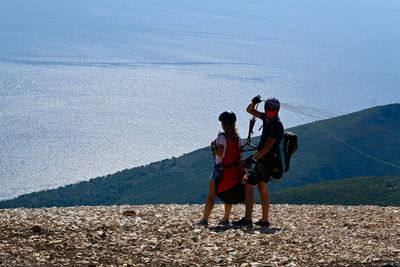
(233, 165)
(222, 166)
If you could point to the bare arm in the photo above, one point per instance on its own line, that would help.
(218, 149)
(251, 108)
(267, 147)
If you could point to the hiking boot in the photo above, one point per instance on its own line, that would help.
(224, 223)
(203, 222)
(243, 222)
(262, 224)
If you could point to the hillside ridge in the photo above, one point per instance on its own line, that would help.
(374, 131)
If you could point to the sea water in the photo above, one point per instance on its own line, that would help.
(88, 88)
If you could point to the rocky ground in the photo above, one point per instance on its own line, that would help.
(167, 235)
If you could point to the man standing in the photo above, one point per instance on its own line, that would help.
(267, 160)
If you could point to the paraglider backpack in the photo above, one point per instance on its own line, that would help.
(279, 163)
(288, 147)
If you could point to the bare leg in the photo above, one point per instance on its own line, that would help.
(249, 200)
(210, 200)
(264, 194)
(228, 208)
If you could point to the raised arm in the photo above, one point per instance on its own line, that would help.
(251, 108)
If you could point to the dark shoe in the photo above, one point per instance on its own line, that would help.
(224, 223)
(243, 222)
(203, 222)
(262, 224)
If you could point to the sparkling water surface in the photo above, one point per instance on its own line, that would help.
(88, 88)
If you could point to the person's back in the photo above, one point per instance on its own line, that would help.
(229, 187)
(232, 154)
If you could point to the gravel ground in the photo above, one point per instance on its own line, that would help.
(168, 235)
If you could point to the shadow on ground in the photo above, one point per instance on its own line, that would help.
(248, 230)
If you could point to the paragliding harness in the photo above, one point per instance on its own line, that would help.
(228, 184)
(280, 163)
(288, 146)
(230, 188)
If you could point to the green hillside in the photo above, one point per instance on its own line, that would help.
(375, 132)
(381, 191)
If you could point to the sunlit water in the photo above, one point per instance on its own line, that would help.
(88, 88)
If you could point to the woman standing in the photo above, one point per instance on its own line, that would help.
(227, 155)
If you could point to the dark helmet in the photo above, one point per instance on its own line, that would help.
(227, 116)
(272, 103)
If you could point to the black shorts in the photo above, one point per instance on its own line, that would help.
(260, 173)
